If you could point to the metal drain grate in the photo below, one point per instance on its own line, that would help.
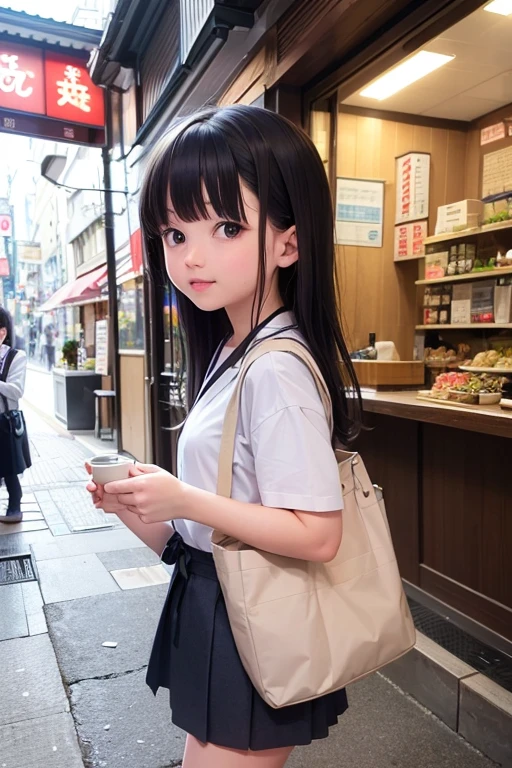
(16, 569)
(490, 662)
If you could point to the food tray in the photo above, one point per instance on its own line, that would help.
(501, 371)
(438, 401)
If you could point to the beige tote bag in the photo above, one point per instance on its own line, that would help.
(304, 629)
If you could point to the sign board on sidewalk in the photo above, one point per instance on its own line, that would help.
(102, 347)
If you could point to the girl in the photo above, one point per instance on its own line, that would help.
(236, 205)
(13, 369)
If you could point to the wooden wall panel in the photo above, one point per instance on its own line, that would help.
(378, 295)
(390, 453)
(466, 523)
(133, 405)
(472, 165)
(475, 152)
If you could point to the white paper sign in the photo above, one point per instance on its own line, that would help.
(359, 212)
(102, 347)
(412, 187)
(409, 240)
(492, 133)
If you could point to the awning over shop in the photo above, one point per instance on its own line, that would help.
(124, 270)
(85, 288)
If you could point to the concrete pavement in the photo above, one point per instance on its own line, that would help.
(69, 701)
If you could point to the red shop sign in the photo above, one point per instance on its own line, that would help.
(5, 225)
(52, 84)
(70, 93)
(21, 78)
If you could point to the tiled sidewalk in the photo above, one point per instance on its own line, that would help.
(36, 726)
(72, 677)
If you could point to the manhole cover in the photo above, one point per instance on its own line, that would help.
(17, 568)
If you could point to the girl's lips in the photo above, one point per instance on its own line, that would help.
(200, 285)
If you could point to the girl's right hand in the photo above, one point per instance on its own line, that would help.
(101, 500)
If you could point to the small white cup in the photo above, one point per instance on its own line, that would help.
(110, 467)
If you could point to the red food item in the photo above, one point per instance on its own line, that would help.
(451, 380)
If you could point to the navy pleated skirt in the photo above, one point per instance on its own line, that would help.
(194, 655)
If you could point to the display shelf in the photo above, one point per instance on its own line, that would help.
(484, 229)
(446, 237)
(489, 274)
(462, 326)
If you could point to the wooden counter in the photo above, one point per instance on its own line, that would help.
(486, 419)
(445, 472)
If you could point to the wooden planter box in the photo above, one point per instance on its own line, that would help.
(73, 394)
(389, 373)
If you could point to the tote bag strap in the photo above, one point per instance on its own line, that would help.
(11, 354)
(8, 360)
(227, 445)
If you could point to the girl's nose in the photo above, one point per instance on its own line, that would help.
(194, 258)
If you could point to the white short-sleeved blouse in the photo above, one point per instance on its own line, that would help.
(13, 388)
(283, 454)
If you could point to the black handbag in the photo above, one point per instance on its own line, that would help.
(14, 445)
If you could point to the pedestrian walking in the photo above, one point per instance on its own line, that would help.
(236, 207)
(49, 334)
(32, 340)
(14, 449)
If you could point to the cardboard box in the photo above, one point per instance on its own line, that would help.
(436, 265)
(461, 304)
(482, 302)
(462, 215)
(437, 304)
(503, 301)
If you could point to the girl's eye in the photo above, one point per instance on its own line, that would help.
(173, 237)
(229, 230)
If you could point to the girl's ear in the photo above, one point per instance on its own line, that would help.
(288, 252)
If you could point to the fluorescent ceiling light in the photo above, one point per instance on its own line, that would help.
(503, 7)
(423, 63)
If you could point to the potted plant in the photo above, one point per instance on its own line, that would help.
(70, 353)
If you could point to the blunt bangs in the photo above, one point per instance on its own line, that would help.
(196, 166)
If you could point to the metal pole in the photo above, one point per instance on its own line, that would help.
(113, 324)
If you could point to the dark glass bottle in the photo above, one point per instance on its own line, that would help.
(371, 352)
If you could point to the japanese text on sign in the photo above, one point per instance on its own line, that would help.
(12, 78)
(412, 187)
(71, 91)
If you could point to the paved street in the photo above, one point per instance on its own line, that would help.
(69, 701)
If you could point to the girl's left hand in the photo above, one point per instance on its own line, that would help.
(150, 492)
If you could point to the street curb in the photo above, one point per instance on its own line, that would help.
(472, 705)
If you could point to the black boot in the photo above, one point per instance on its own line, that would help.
(12, 516)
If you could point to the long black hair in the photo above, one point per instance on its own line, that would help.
(6, 322)
(211, 153)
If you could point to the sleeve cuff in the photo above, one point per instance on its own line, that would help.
(301, 502)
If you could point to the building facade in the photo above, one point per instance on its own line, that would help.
(311, 60)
